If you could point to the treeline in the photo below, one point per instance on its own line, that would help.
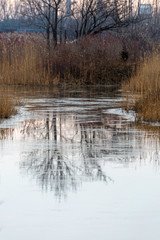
(62, 20)
(67, 19)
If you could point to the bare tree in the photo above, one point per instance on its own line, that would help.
(45, 14)
(78, 18)
(95, 16)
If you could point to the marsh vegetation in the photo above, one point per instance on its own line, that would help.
(7, 106)
(26, 60)
(145, 83)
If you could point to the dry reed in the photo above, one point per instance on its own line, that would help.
(26, 60)
(146, 82)
(147, 77)
(7, 107)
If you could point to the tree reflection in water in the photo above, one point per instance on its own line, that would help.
(72, 140)
(66, 156)
(71, 151)
(58, 173)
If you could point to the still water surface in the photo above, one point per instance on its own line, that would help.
(73, 166)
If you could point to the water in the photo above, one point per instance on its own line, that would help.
(73, 165)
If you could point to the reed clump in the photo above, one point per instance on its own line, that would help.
(146, 82)
(7, 107)
(27, 60)
(147, 76)
(148, 108)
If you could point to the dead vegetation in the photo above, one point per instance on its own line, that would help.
(26, 60)
(7, 107)
(146, 82)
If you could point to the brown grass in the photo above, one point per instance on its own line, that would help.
(148, 108)
(146, 82)
(27, 61)
(147, 77)
(7, 107)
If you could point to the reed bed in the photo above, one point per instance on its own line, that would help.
(146, 82)
(26, 60)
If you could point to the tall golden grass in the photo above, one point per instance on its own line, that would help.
(26, 60)
(147, 76)
(146, 82)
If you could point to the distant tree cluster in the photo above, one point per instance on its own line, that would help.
(62, 20)
(74, 19)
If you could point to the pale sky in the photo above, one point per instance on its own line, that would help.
(134, 1)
